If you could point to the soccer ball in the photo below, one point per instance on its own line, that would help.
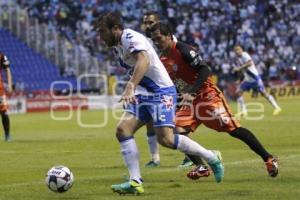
(59, 179)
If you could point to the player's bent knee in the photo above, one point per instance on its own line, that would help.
(121, 131)
(166, 142)
(165, 136)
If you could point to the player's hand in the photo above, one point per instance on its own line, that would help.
(236, 69)
(128, 95)
(187, 100)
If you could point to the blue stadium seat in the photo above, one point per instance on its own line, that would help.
(29, 66)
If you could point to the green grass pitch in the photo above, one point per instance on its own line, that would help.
(93, 154)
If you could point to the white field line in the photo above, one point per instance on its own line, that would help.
(154, 171)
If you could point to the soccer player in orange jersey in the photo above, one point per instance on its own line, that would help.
(149, 19)
(202, 102)
(4, 65)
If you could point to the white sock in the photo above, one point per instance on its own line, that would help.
(273, 102)
(131, 157)
(241, 103)
(153, 147)
(188, 146)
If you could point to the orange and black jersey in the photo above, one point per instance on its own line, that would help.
(186, 68)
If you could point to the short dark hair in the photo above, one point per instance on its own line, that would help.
(238, 45)
(156, 14)
(109, 20)
(164, 28)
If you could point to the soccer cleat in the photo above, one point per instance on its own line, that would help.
(218, 169)
(277, 111)
(7, 138)
(272, 167)
(152, 164)
(218, 154)
(129, 187)
(185, 163)
(198, 172)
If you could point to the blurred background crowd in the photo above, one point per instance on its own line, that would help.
(268, 30)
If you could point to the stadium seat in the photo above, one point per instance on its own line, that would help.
(29, 66)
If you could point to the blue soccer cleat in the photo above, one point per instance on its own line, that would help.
(129, 187)
(218, 169)
(7, 138)
(152, 164)
(186, 163)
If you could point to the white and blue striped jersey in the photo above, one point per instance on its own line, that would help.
(250, 73)
(156, 80)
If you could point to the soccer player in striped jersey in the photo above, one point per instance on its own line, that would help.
(252, 80)
(148, 97)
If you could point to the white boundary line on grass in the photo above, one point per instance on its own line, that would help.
(170, 169)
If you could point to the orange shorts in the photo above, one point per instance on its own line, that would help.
(3, 103)
(209, 108)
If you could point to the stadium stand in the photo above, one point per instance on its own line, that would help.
(269, 31)
(29, 67)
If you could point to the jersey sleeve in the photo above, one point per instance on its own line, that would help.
(246, 57)
(190, 55)
(133, 42)
(195, 61)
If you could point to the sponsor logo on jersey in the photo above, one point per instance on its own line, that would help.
(168, 101)
(193, 53)
(129, 36)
